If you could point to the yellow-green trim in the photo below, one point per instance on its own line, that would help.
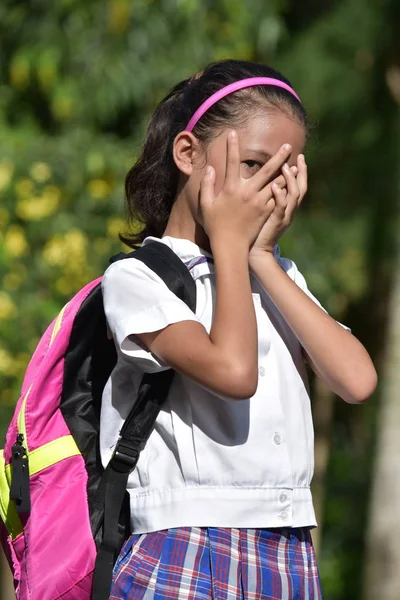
(57, 325)
(49, 454)
(39, 459)
(8, 511)
(21, 420)
(21, 423)
(21, 416)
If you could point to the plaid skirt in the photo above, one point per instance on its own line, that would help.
(217, 563)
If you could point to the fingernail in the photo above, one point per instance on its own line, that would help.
(275, 186)
(209, 171)
(232, 134)
(286, 167)
(287, 147)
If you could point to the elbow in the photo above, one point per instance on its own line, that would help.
(364, 388)
(242, 381)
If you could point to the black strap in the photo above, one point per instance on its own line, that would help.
(163, 261)
(106, 553)
(138, 426)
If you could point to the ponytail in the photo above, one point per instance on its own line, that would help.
(152, 183)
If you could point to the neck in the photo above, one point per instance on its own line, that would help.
(181, 224)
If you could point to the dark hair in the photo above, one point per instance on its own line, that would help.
(151, 184)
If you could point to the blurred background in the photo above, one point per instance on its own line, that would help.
(78, 81)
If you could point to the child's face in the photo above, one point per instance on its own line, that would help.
(259, 139)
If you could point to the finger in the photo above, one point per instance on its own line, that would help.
(232, 172)
(291, 182)
(293, 191)
(280, 201)
(283, 188)
(207, 188)
(280, 181)
(269, 208)
(266, 193)
(271, 168)
(302, 177)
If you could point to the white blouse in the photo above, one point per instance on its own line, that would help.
(210, 461)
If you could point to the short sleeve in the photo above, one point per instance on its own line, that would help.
(136, 300)
(292, 271)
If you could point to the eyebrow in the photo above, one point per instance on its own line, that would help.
(260, 153)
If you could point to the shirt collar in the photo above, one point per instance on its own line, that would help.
(199, 261)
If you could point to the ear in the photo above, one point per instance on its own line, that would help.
(185, 151)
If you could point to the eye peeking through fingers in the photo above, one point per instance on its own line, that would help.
(248, 168)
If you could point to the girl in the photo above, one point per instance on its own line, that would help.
(220, 500)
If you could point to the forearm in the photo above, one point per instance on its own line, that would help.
(234, 327)
(338, 357)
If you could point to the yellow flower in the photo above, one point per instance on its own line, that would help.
(47, 70)
(6, 173)
(15, 242)
(114, 226)
(4, 218)
(5, 361)
(7, 306)
(40, 171)
(67, 250)
(63, 106)
(99, 189)
(19, 72)
(52, 194)
(13, 366)
(119, 15)
(37, 208)
(54, 252)
(12, 281)
(76, 241)
(24, 187)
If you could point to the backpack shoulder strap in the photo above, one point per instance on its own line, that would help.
(138, 426)
(168, 266)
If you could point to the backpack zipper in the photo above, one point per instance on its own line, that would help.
(19, 488)
(19, 485)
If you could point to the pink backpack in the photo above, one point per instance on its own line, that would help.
(63, 517)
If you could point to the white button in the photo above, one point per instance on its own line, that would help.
(277, 439)
(261, 371)
(283, 516)
(283, 498)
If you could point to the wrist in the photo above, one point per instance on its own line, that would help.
(225, 243)
(261, 258)
(261, 247)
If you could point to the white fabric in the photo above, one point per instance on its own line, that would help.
(210, 461)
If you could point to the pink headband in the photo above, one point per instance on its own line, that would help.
(234, 87)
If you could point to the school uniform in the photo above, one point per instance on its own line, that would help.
(220, 500)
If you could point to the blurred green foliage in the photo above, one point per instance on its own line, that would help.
(78, 81)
